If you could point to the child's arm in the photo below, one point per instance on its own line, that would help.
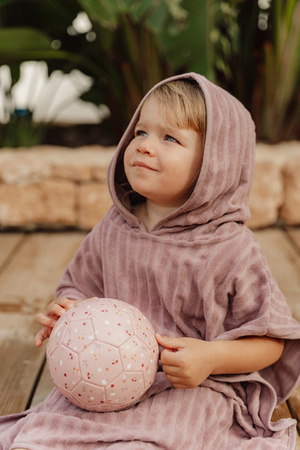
(187, 362)
(48, 319)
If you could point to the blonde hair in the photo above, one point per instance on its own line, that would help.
(183, 104)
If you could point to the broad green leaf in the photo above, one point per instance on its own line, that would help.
(158, 18)
(104, 12)
(140, 10)
(23, 39)
(188, 49)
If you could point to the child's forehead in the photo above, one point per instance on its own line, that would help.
(154, 110)
(164, 116)
(150, 103)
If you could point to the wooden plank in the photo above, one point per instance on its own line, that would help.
(44, 387)
(284, 261)
(26, 286)
(294, 405)
(19, 365)
(283, 256)
(8, 244)
(28, 283)
(294, 234)
(282, 412)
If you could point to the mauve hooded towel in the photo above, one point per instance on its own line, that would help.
(200, 273)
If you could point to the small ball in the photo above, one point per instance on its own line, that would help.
(103, 355)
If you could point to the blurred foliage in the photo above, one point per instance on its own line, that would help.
(131, 44)
(21, 131)
(257, 58)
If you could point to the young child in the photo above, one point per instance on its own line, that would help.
(175, 245)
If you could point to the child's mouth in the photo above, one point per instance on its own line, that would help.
(142, 165)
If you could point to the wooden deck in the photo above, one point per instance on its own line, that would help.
(31, 265)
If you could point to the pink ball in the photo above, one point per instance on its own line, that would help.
(103, 355)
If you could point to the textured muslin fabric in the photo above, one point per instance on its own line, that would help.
(200, 273)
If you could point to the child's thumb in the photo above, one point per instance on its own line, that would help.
(168, 342)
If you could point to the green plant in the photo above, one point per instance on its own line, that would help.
(26, 120)
(18, 44)
(131, 45)
(280, 106)
(257, 48)
(20, 130)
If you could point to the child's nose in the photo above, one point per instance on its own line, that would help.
(146, 147)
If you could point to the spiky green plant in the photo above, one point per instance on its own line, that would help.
(257, 48)
(280, 106)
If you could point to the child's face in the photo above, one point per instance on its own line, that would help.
(162, 162)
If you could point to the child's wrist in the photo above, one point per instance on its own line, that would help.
(217, 357)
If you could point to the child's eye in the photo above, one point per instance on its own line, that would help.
(171, 139)
(140, 133)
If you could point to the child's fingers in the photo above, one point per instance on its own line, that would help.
(43, 334)
(59, 306)
(48, 320)
(172, 358)
(55, 310)
(45, 320)
(174, 377)
(64, 302)
(176, 382)
(170, 342)
(172, 371)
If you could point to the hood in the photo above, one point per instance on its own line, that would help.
(222, 191)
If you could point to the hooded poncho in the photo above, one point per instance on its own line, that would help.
(200, 273)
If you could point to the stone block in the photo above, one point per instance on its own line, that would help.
(94, 201)
(22, 166)
(51, 202)
(71, 171)
(81, 164)
(267, 193)
(99, 174)
(37, 163)
(290, 211)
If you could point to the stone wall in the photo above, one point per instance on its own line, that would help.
(275, 190)
(57, 187)
(53, 187)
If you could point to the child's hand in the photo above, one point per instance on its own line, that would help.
(53, 312)
(187, 362)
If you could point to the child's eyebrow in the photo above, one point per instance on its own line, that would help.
(138, 124)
